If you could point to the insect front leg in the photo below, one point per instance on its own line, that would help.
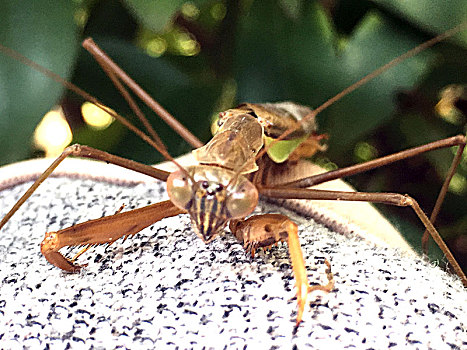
(104, 230)
(77, 150)
(100, 231)
(263, 231)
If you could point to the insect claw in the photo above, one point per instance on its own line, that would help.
(120, 209)
(86, 247)
(126, 237)
(330, 285)
(50, 249)
(302, 293)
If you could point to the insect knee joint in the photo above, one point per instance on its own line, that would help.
(73, 149)
(50, 242)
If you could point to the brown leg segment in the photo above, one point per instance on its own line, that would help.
(87, 247)
(85, 152)
(459, 140)
(263, 231)
(442, 193)
(384, 198)
(104, 230)
(115, 70)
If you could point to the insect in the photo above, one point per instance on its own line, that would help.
(217, 192)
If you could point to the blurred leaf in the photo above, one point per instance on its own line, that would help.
(190, 100)
(291, 7)
(26, 95)
(284, 59)
(110, 17)
(411, 125)
(154, 14)
(437, 15)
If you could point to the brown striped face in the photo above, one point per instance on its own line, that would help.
(208, 211)
(211, 200)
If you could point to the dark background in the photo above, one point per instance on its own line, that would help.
(256, 51)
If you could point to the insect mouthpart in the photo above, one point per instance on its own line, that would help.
(208, 211)
(212, 200)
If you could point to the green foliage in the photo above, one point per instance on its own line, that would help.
(46, 34)
(280, 151)
(438, 15)
(252, 51)
(156, 15)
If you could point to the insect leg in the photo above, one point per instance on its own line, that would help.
(87, 247)
(263, 231)
(384, 198)
(459, 140)
(442, 193)
(86, 152)
(131, 102)
(104, 230)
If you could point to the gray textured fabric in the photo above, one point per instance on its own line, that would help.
(165, 288)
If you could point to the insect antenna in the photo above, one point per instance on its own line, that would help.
(364, 80)
(155, 143)
(108, 64)
(125, 94)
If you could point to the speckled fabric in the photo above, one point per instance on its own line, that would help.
(165, 288)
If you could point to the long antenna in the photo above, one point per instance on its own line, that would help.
(72, 87)
(178, 127)
(366, 79)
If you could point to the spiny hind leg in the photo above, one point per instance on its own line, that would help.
(263, 231)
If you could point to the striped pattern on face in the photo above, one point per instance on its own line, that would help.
(208, 213)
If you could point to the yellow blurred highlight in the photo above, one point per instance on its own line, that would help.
(218, 11)
(189, 10)
(95, 117)
(81, 16)
(458, 184)
(53, 133)
(364, 152)
(446, 108)
(187, 45)
(156, 47)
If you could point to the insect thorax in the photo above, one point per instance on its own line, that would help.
(235, 144)
(243, 130)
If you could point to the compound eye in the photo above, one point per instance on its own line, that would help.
(179, 188)
(242, 201)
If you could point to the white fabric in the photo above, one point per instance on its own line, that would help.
(165, 288)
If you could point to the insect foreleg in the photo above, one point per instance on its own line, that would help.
(263, 231)
(104, 230)
(86, 248)
(384, 198)
(85, 152)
